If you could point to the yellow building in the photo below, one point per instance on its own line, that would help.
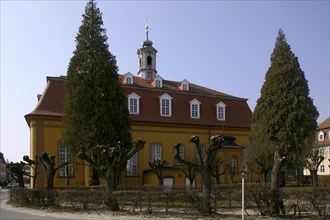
(163, 112)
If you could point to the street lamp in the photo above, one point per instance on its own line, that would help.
(244, 170)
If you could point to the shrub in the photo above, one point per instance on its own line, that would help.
(303, 201)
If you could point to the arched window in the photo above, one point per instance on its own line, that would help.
(221, 111)
(165, 105)
(233, 165)
(132, 166)
(65, 156)
(156, 152)
(194, 108)
(134, 103)
(149, 60)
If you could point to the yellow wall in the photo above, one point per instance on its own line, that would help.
(47, 132)
(167, 136)
(45, 135)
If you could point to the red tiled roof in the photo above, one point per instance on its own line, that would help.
(238, 113)
(325, 124)
(51, 102)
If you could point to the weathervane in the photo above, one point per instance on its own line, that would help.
(147, 28)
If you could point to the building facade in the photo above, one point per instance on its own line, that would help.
(323, 145)
(163, 112)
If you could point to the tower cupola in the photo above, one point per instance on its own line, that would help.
(147, 58)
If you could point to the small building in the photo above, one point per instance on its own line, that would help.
(162, 112)
(3, 169)
(323, 145)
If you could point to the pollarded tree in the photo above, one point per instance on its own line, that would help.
(48, 164)
(312, 163)
(95, 112)
(16, 172)
(205, 165)
(107, 160)
(260, 152)
(158, 166)
(284, 112)
(216, 169)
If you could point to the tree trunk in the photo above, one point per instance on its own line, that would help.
(50, 174)
(94, 181)
(161, 178)
(264, 174)
(206, 190)
(217, 179)
(279, 161)
(117, 177)
(191, 181)
(110, 178)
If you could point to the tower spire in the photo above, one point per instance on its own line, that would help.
(147, 29)
(147, 57)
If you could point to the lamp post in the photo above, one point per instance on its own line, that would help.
(244, 175)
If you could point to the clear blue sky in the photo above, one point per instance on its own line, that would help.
(223, 45)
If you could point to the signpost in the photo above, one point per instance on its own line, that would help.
(243, 176)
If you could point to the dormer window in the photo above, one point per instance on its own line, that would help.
(194, 108)
(184, 85)
(221, 111)
(157, 82)
(165, 102)
(128, 78)
(134, 103)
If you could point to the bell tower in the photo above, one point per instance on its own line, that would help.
(147, 58)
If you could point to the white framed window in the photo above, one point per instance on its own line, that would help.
(157, 82)
(321, 136)
(184, 85)
(64, 156)
(321, 151)
(132, 166)
(165, 105)
(322, 170)
(194, 108)
(221, 111)
(181, 153)
(128, 78)
(156, 152)
(134, 103)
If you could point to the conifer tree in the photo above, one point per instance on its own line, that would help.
(95, 112)
(285, 114)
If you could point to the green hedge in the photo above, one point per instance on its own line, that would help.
(303, 201)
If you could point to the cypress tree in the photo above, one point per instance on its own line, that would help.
(95, 112)
(285, 114)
